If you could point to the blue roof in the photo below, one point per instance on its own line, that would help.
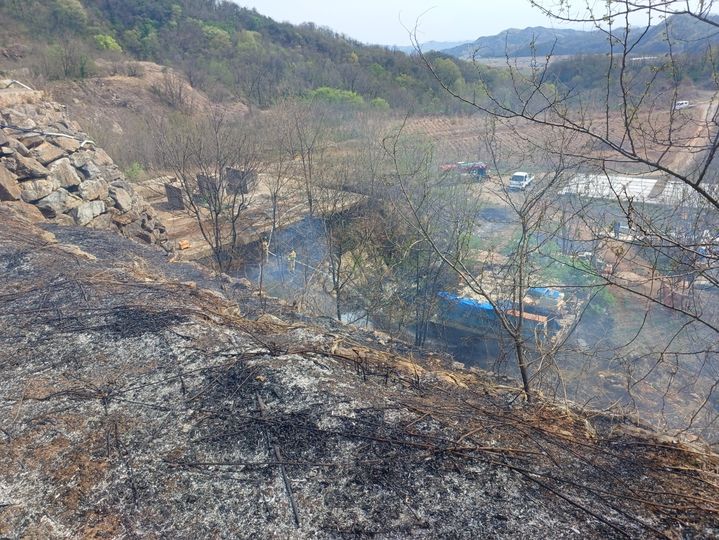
(463, 300)
(471, 302)
(545, 291)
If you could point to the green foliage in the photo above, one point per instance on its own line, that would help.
(67, 60)
(592, 73)
(107, 43)
(69, 14)
(235, 52)
(379, 104)
(336, 96)
(378, 71)
(447, 71)
(218, 39)
(134, 172)
(602, 302)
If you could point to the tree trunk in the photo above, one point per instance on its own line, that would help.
(522, 367)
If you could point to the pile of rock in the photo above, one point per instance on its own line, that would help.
(47, 161)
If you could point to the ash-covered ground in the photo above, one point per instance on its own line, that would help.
(142, 398)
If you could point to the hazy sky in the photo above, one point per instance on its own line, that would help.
(380, 21)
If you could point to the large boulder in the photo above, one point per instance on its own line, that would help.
(66, 143)
(82, 157)
(58, 202)
(92, 190)
(101, 157)
(46, 153)
(9, 188)
(90, 170)
(30, 140)
(63, 171)
(18, 120)
(27, 167)
(34, 190)
(121, 198)
(88, 211)
(103, 221)
(18, 147)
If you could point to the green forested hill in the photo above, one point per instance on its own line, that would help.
(234, 52)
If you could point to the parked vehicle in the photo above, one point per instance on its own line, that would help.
(475, 169)
(681, 105)
(520, 181)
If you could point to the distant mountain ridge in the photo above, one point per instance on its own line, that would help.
(686, 33)
(431, 46)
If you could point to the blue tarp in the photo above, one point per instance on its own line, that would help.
(479, 316)
(545, 291)
(472, 304)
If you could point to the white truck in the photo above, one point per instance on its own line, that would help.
(520, 181)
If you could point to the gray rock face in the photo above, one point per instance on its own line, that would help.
(88, 211)
(63, 171)
(58, 202)
(123, 200)
(92, 190)
(103, 221)
(35, 190)
(9, 188)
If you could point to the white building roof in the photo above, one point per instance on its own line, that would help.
(649, 190)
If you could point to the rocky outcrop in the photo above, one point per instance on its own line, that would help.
(47, 161)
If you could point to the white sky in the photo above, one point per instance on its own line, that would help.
(380, 21)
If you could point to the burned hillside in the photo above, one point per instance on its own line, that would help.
(145, 398)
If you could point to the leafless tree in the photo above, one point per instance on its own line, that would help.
(216, 160)
(278, 155)
(445, 218)
(658, 244)
(175, 92)
(309, 133)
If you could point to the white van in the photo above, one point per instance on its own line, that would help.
(681, 105)
(520, 181)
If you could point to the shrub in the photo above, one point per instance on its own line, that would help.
(134, 172)
(379, 104)
(135, 69)
(107, 43)
(336, 96)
